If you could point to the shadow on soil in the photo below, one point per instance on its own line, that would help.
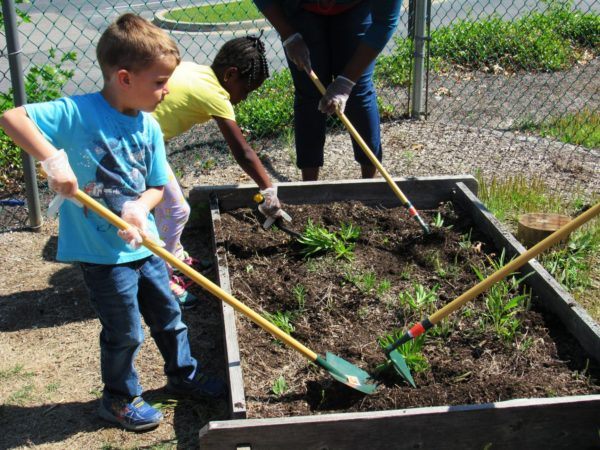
(54, 423)
(46, 423)
(65, 301)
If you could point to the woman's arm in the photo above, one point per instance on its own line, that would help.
(245, 156)
(274, 13)
(385, 15)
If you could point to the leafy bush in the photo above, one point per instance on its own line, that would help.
(542, 41)
(42, 83)
(269, 109)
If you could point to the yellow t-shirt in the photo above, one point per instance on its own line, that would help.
(195, 96)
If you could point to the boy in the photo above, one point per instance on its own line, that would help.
(197, 94)
(114, 149)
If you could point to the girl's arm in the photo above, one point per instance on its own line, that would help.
(245, 156)
(151, 197)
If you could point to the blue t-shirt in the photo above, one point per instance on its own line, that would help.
(115, 158)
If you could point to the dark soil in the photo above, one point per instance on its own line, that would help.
(468, 363)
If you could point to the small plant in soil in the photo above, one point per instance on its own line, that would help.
(280, 386)
(503, 302)
(438, 220)
(282, 320)
(419, 299)
(412, 351)
(299, 293)
(317, 239)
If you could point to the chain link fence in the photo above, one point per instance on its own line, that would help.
(496, 83)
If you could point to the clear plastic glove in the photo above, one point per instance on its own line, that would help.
(136, 215)
(61, 180)
(270, 207)
(336, 96)
(297, 51)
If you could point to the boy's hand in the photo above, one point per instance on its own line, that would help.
(135, 214)
(61, 178)
(336, 96)
(298, 52)
(271, 207)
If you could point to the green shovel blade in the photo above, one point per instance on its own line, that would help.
(401, 367)
(347, 373)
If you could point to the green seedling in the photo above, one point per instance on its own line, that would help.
(282, 320)
(465, 241)
(502, 302)
(383, 287)
(420, 298)
(411, 351)
(438, 221)
(317, 239)
(299, 293)
(279, 386)
(349, 232)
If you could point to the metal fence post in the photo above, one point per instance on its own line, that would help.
(419, 59)
(16, 75)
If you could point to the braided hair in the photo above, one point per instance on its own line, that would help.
(248, 55)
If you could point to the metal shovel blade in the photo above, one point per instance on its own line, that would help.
(347, 373)
(401, 366)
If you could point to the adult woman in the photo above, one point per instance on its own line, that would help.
(339, 40)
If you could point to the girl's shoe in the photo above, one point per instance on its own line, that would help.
(179, 289)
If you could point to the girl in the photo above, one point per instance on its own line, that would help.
(197, 94)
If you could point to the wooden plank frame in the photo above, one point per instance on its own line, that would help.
(547, 423)
(544, 424)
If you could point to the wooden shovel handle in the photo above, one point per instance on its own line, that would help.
(159, 251)
(515, 264)
(365, 147)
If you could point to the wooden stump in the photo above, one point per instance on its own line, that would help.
(534, 227)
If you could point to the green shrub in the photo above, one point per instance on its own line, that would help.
(268, 110)
(395, 68)
(42, 83)
(540, 41)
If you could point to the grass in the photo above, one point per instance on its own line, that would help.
(577, 265)
(509, 197)
(540, 41)
(217, 13)
(580, 128)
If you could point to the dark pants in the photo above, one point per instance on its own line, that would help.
(332, 41)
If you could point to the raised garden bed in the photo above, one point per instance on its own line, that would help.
(344, 304)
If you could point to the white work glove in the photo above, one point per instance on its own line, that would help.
(61, 180)
(136, 215)
(336, 96)
(271, 208)
(297, 51)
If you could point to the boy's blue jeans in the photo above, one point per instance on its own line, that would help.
(121, 295)
(332, 41)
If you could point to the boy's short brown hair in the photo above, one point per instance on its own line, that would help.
(133, 43)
